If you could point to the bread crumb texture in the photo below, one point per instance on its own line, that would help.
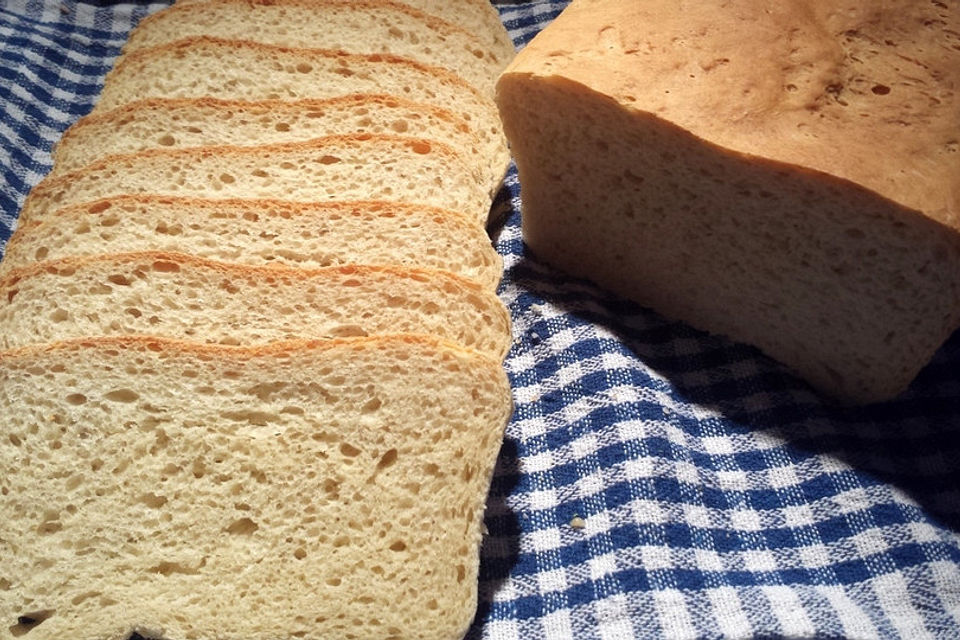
(263, 232)
(349, 167)
(172, 123)
(370, 26)
(785, 175)
(179, 296)
(296, 490)
(268, 72)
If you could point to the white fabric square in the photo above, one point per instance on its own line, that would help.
(598, 523)
(656, 558)
(584, 446)
(781, 477)
(708, 560)
(733, 480)
(759, 560)
(687, 473)
(616, 630)
(814, 557)
(592, 484)
(674, 616)
(537, 462)
(557, 625)
(796, 516)
(870, 542)
(543, 499)
(639, 468)
(745, 520)
(648, 511)
(501, 630)
(601, 566)
(555, 580)
(696, 516)
(545, 539)
(631, 430)
(717, 445)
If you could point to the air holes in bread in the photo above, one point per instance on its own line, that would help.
(242, 527)
(349, 450)
(122, 395)
(28, 621)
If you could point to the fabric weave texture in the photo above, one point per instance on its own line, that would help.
(655, 481)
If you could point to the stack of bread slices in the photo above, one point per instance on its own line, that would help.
(250, 344)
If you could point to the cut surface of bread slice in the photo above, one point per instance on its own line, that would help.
(358, 26)
(264, 232)
(376, 167)
(237, 70)
(184, 297)
(186, 122)
(311, 489)
(479, 17)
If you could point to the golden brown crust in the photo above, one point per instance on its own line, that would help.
(242, 353)
(867, 94)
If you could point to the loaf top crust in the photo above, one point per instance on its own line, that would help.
(864, 90)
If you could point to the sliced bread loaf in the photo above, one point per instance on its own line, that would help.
(186, 122)
(236, 70)
(779, 179)
(327, 489)
(357, 26)
(185, 297)
(263, 232)
(479, 17)
(392, 168)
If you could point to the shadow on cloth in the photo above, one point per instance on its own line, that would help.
(501, 544)
(911, 442)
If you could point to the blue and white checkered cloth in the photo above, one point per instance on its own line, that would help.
(718, 496)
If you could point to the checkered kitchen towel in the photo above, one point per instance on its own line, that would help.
(655, 482)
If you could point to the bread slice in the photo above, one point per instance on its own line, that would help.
(358, 26)
(180, 296)
(263, 232)
(186, 122)
(789, 192)
(478, 17)
(236, 70)
(392, 168)
(311, 489)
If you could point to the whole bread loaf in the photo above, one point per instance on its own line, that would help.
(261, 232)
(302, 489)
(786, 174)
